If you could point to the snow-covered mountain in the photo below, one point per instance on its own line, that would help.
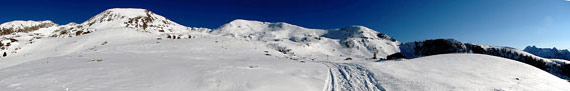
(560, 68)
(549, 52)
(299, 42)
(294, 41)
(130, 49)
(23, 26)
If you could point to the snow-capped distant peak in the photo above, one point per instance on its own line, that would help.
(24, 26)
(548, 52)
(19, 24)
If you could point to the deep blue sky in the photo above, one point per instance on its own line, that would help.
(514, 23)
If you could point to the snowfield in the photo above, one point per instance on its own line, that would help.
(464, 72)
(137, 50)
(169, 65)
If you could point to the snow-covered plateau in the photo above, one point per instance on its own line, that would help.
(125, 49)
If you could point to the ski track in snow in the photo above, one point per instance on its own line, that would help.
(350, 77)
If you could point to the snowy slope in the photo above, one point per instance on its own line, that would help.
(560, 68)
(126, 49)
(464, 72)
(140, 63)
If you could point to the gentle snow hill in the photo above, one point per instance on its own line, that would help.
(560, 68)
(140, 63)
(464, 72)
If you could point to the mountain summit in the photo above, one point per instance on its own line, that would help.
(141, 19)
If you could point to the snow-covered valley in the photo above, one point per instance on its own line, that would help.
(137, 50)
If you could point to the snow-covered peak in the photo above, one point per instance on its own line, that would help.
(139, 19)
(19, 24)
(247, 28)
(24, 26)
(245, 22)
(548, 52)
(252, 25)
(356, 31)
(352, 41)
(128, 12)
(124, 15)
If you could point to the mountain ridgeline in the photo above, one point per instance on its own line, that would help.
(291, 41)
(549, 52)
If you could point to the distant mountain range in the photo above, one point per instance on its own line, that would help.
(552, 53)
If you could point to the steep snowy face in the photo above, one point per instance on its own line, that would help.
(141, 19)
(560, 68)
(24, 26)
(548, 52)
(352, 41)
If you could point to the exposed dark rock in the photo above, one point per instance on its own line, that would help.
(395, 56)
